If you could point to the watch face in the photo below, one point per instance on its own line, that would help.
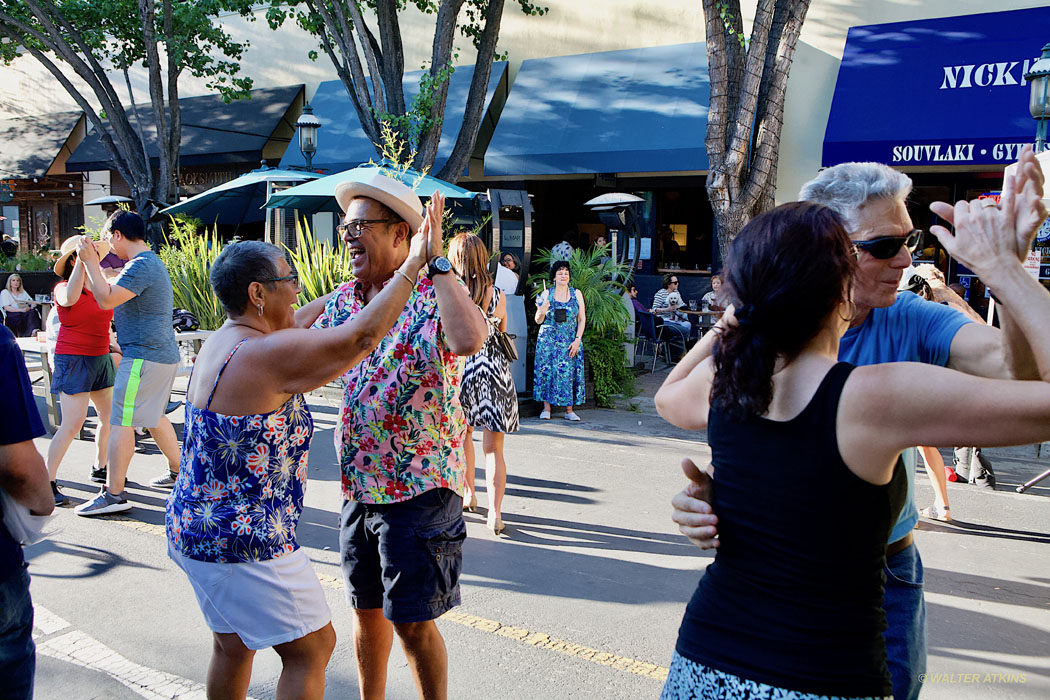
(441, 264)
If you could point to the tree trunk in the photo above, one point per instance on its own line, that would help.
(747, 106)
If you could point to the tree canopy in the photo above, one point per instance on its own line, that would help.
(363, 41)
(101, 39)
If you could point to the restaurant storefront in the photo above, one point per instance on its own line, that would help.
(633, 121)
(945, 101)
(40, 204)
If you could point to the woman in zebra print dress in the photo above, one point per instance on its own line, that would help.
(487, 392)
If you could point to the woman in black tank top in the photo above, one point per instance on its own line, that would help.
(791, 606)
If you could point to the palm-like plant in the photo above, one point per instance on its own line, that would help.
(321, 266)
(189, 257)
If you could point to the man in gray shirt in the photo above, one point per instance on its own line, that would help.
(142, 300)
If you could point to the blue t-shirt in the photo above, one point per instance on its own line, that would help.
(911, 330)
(20, 422)
(144, 322)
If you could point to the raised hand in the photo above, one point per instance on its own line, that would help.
(692, 508)
(986, 238)
(1022, 194)
(435, 208)
(86, 249)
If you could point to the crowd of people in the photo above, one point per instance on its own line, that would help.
(802, 404)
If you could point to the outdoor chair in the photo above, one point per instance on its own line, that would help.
(658, 338)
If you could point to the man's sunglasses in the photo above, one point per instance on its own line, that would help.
(354, 229)
(885, 247)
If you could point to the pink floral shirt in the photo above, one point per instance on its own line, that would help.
(401, 425)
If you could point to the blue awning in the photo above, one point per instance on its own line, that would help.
(946, 91)
(640, 110)
(342, 144)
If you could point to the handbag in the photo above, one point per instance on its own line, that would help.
(504, 341)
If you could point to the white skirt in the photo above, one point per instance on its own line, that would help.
(265, 603)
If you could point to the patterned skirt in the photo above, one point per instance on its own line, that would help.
(689, 680)
(487, 393)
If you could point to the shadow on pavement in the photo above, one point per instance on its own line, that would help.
(986, 588)
(963, 527)
(971, 631)
(96, 561)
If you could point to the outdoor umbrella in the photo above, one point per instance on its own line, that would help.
(319, 195)
(238, 201)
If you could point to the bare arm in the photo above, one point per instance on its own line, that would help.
(461, 321)
(69, 293)
(1006, 353)
(501, 312)
(23, 476)
(581, 325)
(544, 306)
(107, 296)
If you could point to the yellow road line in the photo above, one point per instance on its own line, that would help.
(535, 639)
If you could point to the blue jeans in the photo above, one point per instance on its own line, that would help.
(905, 633)
(17, 651)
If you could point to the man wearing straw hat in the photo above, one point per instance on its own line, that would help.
(400, 439)
(142, 300)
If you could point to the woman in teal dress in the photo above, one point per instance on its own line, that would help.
(562, 317)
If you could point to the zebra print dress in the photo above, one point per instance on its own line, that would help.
(487, 392)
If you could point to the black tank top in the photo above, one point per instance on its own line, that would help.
(794, 596)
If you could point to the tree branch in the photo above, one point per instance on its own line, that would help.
(440, 60)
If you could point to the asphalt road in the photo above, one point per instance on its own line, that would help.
(581, 598)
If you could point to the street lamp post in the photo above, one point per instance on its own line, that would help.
(308, 125)
(1039, 100)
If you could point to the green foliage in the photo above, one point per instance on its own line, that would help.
(112, 31)
(601, 281)
(189, 255)
(320, 268)
(416, 121)
(26, 261)
(728, 20)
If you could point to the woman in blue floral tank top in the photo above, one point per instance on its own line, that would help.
(232, 515)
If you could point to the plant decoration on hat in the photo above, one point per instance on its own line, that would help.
(189, 255)
(601, 281)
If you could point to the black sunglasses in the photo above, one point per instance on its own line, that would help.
(885, 247)
(358, 226)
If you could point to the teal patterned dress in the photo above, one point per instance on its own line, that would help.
(558, 378)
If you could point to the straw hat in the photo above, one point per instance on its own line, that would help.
(396, 195)
(69, 248)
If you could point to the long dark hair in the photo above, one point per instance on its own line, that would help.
(786, 271)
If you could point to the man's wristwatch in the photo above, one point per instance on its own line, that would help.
(439, 266)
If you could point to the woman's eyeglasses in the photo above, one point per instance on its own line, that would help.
(294, 279)
(354, 229)
(885, 247)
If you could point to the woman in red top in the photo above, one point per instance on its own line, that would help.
(83, 367)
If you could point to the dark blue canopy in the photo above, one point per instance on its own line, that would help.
(342, 144)
(640, 110)
(946, 91)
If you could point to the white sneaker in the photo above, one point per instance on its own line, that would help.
(571, 416)
(103, 503)
(545, 415)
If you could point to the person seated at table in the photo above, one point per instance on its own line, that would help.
(83, 367)
(632, 292)
(667, 311)
(21, 314)
(713, 301)
(232, 515)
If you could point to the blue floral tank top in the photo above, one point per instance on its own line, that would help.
(241, 482)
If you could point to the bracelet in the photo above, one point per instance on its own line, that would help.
(407, 278)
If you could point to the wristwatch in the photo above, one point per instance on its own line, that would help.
(439, 266)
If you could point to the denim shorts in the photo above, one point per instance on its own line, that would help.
(905, 634)
(403, 557)
(77, 374)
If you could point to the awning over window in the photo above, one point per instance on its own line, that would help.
(212, 132)
(342, 144)
(30, 145)
(640, 110)
(947, 91)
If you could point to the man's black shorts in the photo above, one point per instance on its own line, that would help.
(403, 557)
